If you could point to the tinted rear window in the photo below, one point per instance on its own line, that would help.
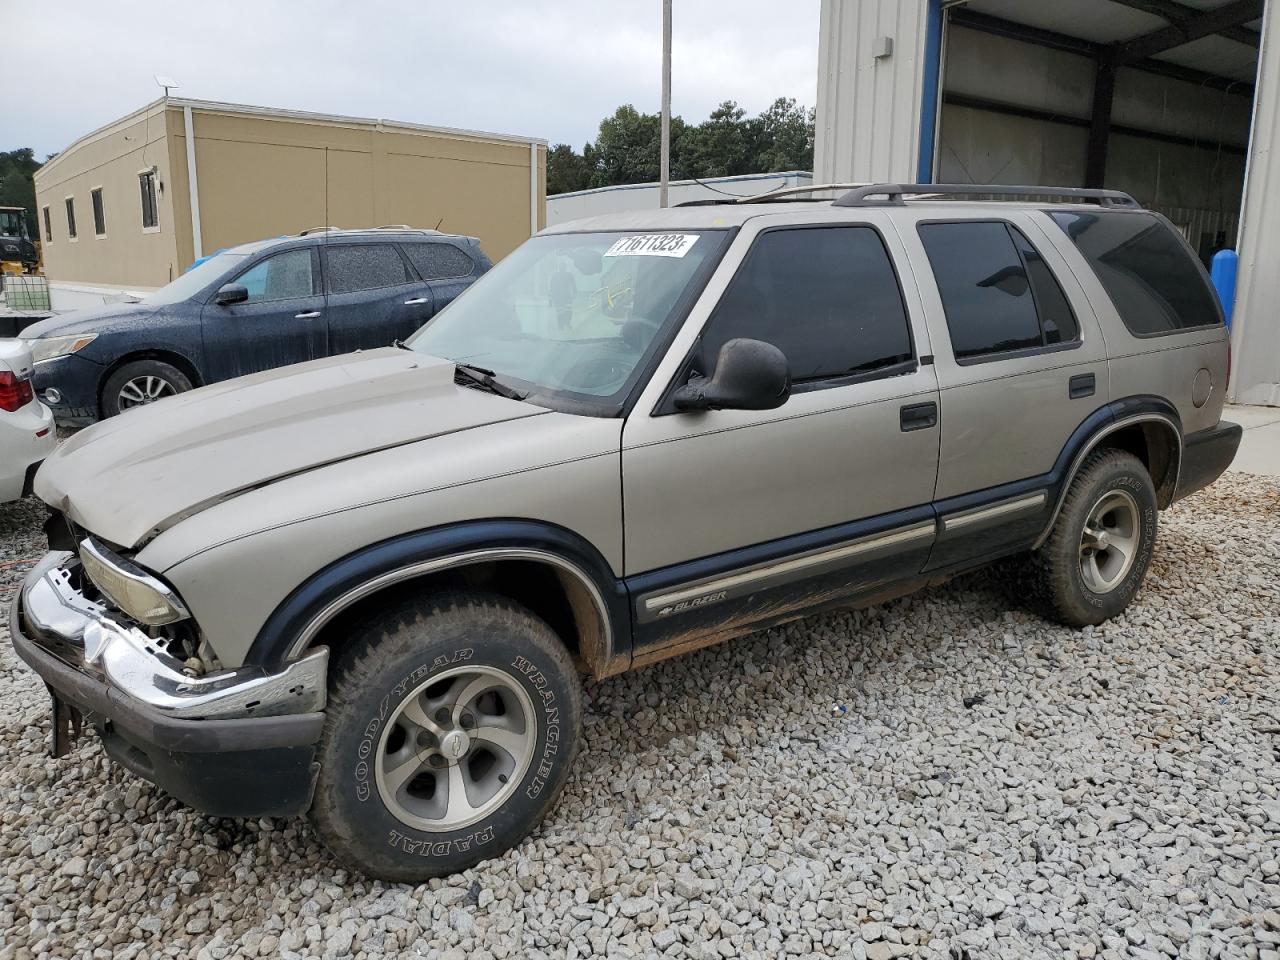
(1152, 278)
(985, 291)
(439, 261)
(367, 266)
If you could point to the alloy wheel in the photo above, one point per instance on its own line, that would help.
(143, 390)
(455, 748)
(1109, 543)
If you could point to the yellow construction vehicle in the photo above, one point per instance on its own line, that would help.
(18, 251)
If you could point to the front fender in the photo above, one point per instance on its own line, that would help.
(302, 614)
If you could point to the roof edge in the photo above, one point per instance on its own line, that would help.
(242, 109)
(281, 113)
(95, 134)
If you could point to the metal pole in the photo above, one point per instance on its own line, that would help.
(664, 176)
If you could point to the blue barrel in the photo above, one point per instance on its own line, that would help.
(1223, 273)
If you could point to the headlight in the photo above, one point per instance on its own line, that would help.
(129, 587)
(46, 348)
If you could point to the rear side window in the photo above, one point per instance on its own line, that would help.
(438, 261)
(998, 293)
(828, 298)
(285, 276)
(366, 266)
(1152, 278)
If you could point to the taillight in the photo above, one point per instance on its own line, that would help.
(14, 393)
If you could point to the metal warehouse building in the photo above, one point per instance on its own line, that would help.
(135, 203)
(1173, 101)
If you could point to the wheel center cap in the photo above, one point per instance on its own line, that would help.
(1103, 540)
(454, 744)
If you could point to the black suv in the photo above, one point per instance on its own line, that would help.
(250, 308)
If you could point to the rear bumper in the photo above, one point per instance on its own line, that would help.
(1206, 456)
(27, 436)
(177, 736)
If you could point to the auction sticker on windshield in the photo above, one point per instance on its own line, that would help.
(654, 245)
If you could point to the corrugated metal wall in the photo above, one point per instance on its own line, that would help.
(1196, 183)
(1255, 326)
(868, 126)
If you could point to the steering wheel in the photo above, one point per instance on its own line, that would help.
(601, 374)
(638, 332)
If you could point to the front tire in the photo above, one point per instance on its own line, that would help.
(450, 730)
(1095, 560)
(141, 382)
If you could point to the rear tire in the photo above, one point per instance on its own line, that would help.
(450, 730)
(1097, 555)
(141, 382)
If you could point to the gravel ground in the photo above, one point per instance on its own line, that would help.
(946, 776)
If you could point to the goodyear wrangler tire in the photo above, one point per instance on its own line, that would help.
(449, 732)
(1096, 558)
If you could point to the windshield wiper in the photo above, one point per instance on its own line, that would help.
(487, 380)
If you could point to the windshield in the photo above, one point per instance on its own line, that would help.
(195, 279)
(11, 224)
(575, 313)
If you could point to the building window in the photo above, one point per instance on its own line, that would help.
(99, 215)
(150, 215)
(71, 217)
(48, 226)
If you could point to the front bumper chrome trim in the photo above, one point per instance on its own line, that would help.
(84, 635)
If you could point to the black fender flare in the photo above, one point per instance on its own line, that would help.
(1117, 415)
(300, 616)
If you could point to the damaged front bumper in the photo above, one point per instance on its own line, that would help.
(232, 743)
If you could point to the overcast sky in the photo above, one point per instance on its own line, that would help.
(545, 68)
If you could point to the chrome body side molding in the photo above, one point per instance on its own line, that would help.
(777, 572)
(981, 516)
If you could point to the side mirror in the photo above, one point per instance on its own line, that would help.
(230, 293)
(750, 375)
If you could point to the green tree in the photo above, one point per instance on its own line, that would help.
(626, 148)
(781, 137)
(16, 186)
(566, 170)
(727, 143)
(720, 145)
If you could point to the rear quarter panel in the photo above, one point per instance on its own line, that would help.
(1162, 365)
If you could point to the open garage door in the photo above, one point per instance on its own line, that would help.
(1153, 97)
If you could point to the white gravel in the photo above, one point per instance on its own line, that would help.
(947, 776)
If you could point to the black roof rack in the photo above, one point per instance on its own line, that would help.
(894, 193)
(770, 196)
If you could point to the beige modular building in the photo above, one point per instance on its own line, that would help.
(134, 203)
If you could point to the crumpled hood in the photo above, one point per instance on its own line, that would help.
(136, 474)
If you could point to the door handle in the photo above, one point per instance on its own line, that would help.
(309, 315)
(1081, 385)
(415, 301)
(919, 416)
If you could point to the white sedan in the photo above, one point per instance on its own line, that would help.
(27, 434)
